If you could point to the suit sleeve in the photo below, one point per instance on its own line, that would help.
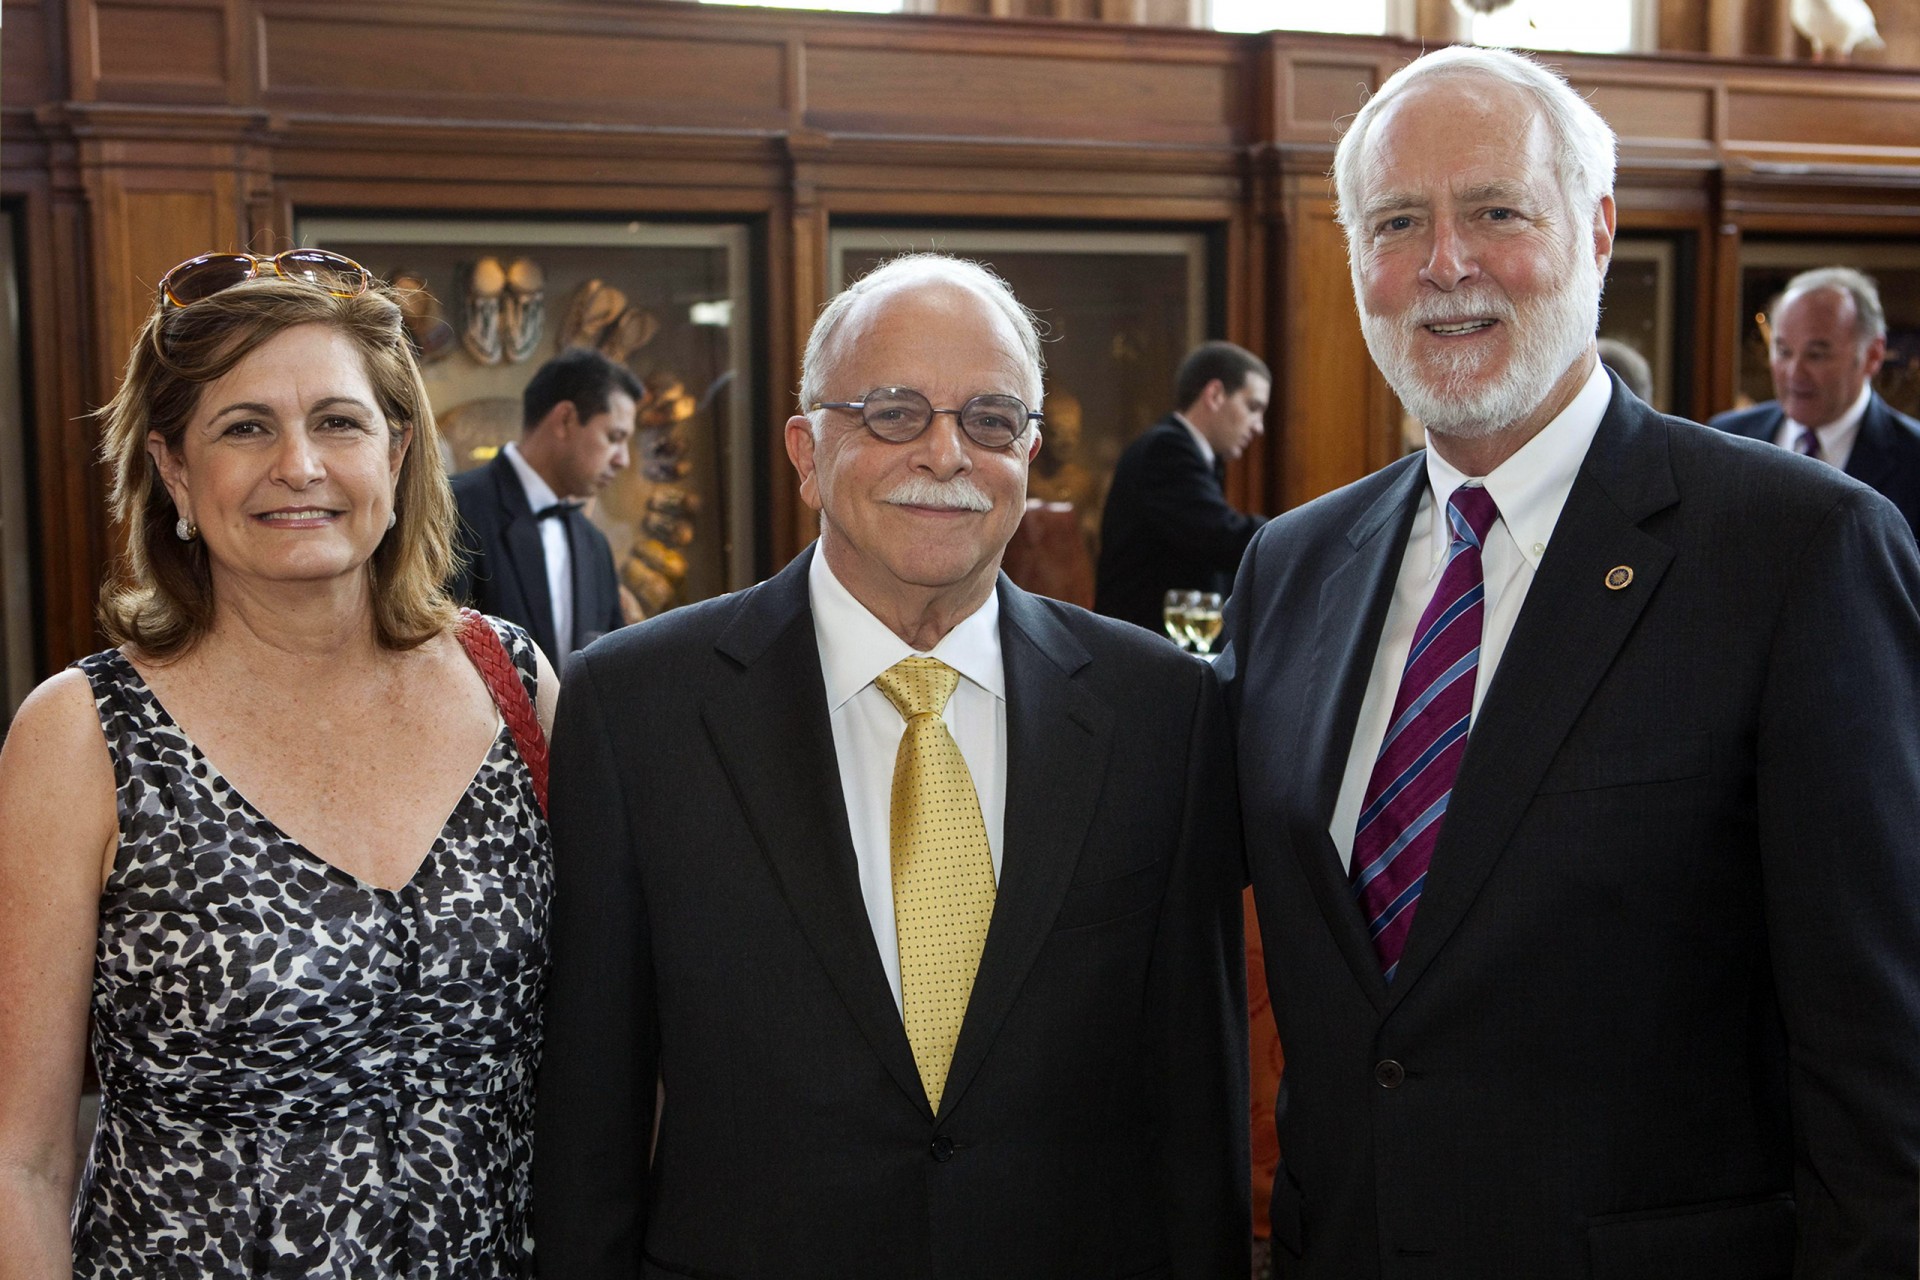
(1839, 810)
(1199, 995)
(466, 555)
(593, 1123)
(1188, 513)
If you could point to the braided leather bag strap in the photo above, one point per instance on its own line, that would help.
(495, 665)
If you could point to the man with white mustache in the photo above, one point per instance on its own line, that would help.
(1586, 874)
(917, 894)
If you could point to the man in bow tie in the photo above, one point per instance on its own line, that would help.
(918, 895)
(1580, 770)
(531, 555)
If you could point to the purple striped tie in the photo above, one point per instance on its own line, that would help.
(1406, 797)
(1808, 443)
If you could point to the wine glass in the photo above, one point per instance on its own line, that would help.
(1203, 620)
(1173, 616)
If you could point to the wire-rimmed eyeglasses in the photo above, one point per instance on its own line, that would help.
(900, 414)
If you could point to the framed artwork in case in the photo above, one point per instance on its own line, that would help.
(489, 300)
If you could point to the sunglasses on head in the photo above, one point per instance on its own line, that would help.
(200, 278)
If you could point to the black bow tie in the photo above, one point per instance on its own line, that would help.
(557, 510)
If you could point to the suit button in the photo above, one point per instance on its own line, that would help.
(1389, 1073)
(941, 1148)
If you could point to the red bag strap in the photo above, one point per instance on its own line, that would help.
(502, 678)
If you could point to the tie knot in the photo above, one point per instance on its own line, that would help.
(1471, 510)
(918, 686)
(556, 510)
(1808, 443)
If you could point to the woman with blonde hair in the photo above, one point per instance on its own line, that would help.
(286, 841)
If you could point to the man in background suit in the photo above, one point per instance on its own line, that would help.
(1166, 523)
(531, 554)
(1580, 773)
(1829, 337)
(918, 894)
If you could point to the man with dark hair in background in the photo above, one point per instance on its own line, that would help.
(532, 556)
(1167, 524)
(1829, 335)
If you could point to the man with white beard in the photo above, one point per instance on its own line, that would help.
(1586, 875)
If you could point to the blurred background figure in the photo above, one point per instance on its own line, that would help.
(313, 957)
(532, 555)
(1829, 335)
(1630, 365)
(1167, 525)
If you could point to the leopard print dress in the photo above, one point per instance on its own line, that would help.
(303, 1075)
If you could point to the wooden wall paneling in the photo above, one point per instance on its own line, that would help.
(1721, 323)
(1091, 83)
(794, 523)
(178, 51)
(68, 495)
(33, 63)
(468, 74)
(1336, 427)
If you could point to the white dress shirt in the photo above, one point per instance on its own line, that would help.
(1836, 438)
(556, 552)
(855, 647)
(1529, 488)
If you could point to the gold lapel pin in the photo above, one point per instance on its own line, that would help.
(1619, 577)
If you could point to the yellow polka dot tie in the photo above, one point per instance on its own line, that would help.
(942, 868)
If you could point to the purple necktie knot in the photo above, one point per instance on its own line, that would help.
(1474, 507)
(1808, 443)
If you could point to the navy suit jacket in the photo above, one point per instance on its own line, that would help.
(503, 570)
(1658, 1012)
(1886, 451)
(1166, 525)
(709, 930)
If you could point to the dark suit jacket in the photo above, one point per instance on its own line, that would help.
(1659, 1009)
(1886, 452)
(1166, 524)
(504, 572)
(709, 927)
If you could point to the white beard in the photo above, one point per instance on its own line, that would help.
(1548, 334)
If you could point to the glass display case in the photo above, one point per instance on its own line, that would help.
(1765, 268)
(1118, 311)
(1638, 309)
(490, 300)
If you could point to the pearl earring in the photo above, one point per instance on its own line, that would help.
(393, 518)
(185, 529)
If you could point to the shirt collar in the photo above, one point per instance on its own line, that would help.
(540, 494)
(1532, 486)
(855, 646)
(1841, 427)
(1206, 450)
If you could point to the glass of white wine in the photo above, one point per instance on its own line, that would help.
(1173, 616)
(1203, 620)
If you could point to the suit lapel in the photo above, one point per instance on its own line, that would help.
(773, 737)
(525, 569)
(1872, 461)
(1058, 739)
(1353, 609)
(1566, 636)
(589, 610)
(1764, 426)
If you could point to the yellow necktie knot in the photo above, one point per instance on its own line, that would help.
(943, 886)
(918, 686)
